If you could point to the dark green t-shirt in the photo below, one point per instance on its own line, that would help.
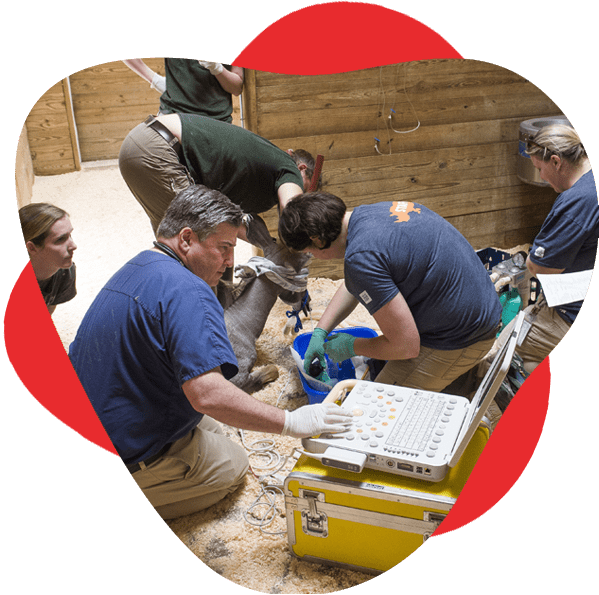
(242, 165)
(191, 89)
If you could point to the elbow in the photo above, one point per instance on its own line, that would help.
(406, 350)
(533, 269)
(413, 351)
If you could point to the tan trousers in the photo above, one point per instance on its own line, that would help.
(434, 369)
(197, 471)
(547, 330)
(152, 171)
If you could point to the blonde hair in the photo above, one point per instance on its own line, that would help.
(556, 139)
(37, 219)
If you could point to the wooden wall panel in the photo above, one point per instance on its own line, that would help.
(109, 100)
(460, 162)
(50, 130)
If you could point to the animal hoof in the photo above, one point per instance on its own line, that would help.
(269, 373)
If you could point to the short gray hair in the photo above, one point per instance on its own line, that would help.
(202, 210)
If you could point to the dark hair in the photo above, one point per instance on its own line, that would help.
(37, 219)
(300, 156)
(201, 209)
(311, 215)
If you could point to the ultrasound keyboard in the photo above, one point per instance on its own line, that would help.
(398, 429)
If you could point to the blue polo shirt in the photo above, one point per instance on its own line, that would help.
(151, 328)
(568, 236)
(404, 247)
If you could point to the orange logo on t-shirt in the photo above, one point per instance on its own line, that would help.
(402, 210)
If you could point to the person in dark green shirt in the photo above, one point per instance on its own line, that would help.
(164, 155)
(194, 86)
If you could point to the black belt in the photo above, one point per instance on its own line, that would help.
(134, 467)
(166, 134)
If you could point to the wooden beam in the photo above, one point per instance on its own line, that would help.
(68, 98)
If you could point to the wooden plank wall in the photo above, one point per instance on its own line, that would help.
(109, 100)
(51, 132)
(460, 162)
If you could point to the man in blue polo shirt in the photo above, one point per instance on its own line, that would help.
(153, 356)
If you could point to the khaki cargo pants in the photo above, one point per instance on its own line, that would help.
(434, 369)
(197, 471)
(547, 330)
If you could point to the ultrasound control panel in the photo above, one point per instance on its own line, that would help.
(400, 430)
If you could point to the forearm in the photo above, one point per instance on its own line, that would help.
(381, 348)
(286, 192)
(218, 398)
(140, 68)
(231, 80)
(339, 308)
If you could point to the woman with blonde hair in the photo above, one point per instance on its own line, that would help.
(567, 241)
(47, 231)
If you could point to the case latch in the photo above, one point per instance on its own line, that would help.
(314, 523)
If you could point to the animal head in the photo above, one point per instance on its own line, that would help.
(280, 256)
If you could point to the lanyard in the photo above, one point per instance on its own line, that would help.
(168, 251)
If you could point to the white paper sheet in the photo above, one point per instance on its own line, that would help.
(565, 288)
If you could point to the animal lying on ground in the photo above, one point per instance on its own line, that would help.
(247, 304)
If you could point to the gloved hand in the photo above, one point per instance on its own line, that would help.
(311, 420)
(158, 83)
(340, 347)
(316, 349)
(214, 67)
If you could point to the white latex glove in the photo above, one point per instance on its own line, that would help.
(312, 420)
(214, 67)
(158, 83)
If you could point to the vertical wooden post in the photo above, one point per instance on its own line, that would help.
(68, 100)
(24, 176)
(250, 108)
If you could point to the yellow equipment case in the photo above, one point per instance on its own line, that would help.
(368, 521)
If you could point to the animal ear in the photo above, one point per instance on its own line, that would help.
(257, 232)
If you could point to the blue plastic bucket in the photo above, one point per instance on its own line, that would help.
(341, 371)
